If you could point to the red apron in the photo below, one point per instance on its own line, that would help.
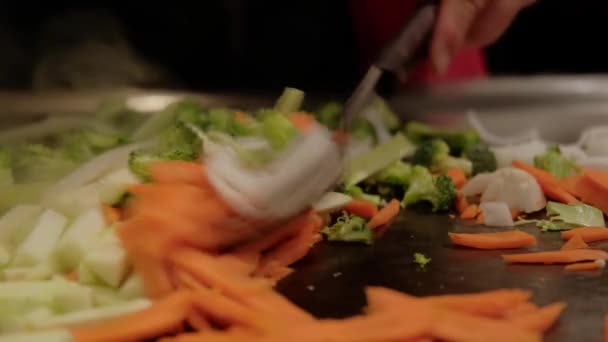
(378, 21)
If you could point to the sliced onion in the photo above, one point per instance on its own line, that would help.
(523, 151)
(492, 139)
(496, 214)
(104, 163)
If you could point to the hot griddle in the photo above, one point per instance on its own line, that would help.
(329, 282)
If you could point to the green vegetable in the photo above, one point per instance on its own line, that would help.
(374, 160)
(362, 129)
(290, 101)
(440, 190)
(39, 163)
(482, 158)
(579, 215)
(459, 140)
(435, 154)
(84, 144)
(6, 171)
(390, 118)
(329, 114)
(553, 226)
(349, 228)
(398, 173)
(356, 192)
(278, 130)
(555, 163)
(421, 259)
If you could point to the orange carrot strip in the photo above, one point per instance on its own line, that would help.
(571, 183)
(557, 257)
(176, 171)
(111, 214)
(586, 266)
(481, 219)
(163, 317)
(303, 121)
(385, 215)
(362, 208)
(515, 213)
(540, 320)
(461, 202)
(588, 234)
(590, 192)
(496, 303)
(549, 184)
(499, 240)
(457, 176)
(575, 242)
(470, 213)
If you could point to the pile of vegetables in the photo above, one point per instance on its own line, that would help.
(109, 226)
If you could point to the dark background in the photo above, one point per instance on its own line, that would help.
(251, 44)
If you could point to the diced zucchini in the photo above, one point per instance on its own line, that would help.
(23, 296)
(113, 187)
(92, 315)
(85, 276)
(38, 245)
(46, 336)
(13, 323)
(42, 271)
(74, 202)
(133, 287)
(78, 298)
(5, 255)
(105, 296)
(17, 223)
(108, 262)
(78, 237)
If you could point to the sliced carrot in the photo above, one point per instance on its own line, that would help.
(303, 121)
(591, 193)
(499, 240)
(586, 266)
(461, 202)
(385, 215)
(162, 317)
(557, 257)
(542, 319)
(471, 212)
(457, 176)
(111, 214)
(176, 171)
(515, 213)
(481, 219)
(571, 183)
(549, 183)
(496, 303)
(575, 242)
(588, 234)
(362, 208)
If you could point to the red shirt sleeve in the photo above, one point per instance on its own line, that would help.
(376, 22)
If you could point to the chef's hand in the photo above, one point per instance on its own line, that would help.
(463, 23)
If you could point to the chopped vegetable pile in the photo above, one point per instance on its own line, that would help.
(112, 228)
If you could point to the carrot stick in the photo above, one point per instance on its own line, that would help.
(571, 183)
(575, 242)
(111, 214)
(499, 240)
(163, 317)
(176, 171)
(588, 234)
(458, 177)
(496, 303)
(586, 266)
(385, 215)
(549, 184)
(362, 208)
(557, 257)
(515, 213)
(481, 219)
(461, 202)
(303, 121)
(591, 193)
(540, 320)
(470, 213)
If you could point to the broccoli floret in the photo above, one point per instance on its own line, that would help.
(440, 190)
(6, 171)
(349, 228)
(554, 162)
(356, 192)
(139, 163)
(482, 158)
(459, 140)
(39, 163)
(329, 114)
(435, 154)
(179, 141)
(421, 259)
(398, 173)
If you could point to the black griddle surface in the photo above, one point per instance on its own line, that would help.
(329, 282)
